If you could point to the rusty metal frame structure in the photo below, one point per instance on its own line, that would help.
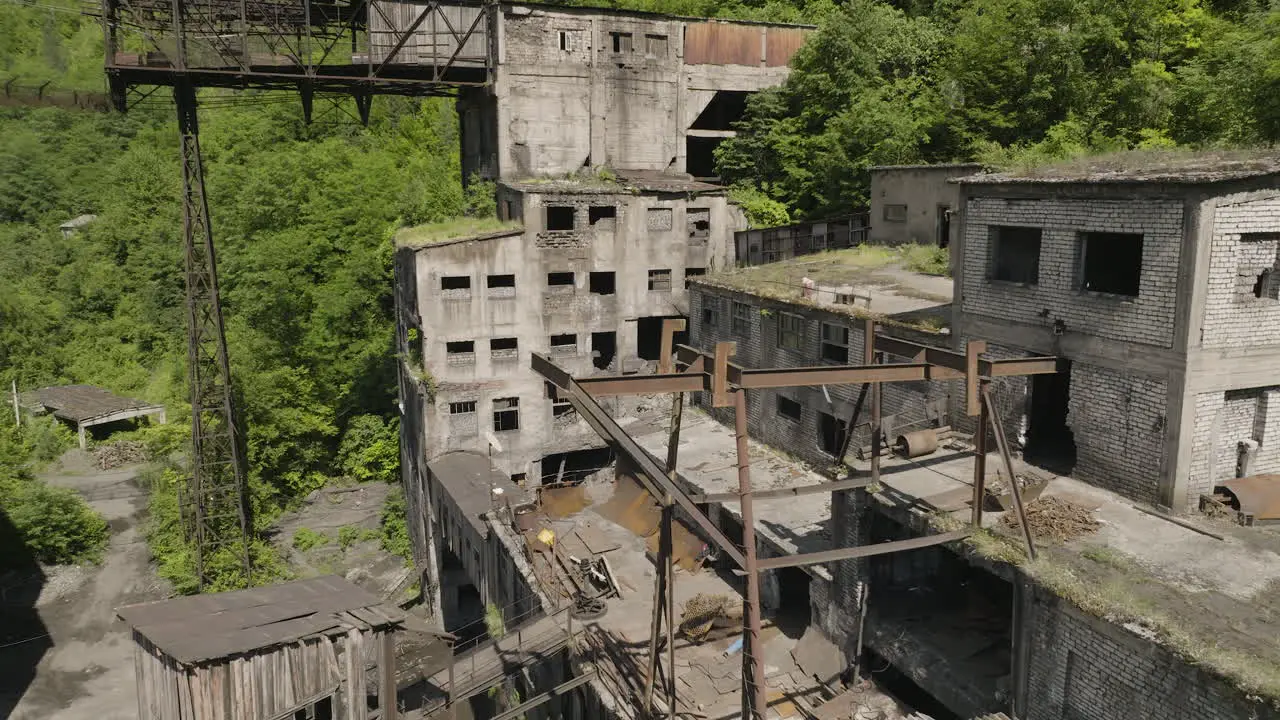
(194, 44)
(727, 383)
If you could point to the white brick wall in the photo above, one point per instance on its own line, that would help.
(1146, 319)
(1232, 318)
(1118, 422)
(1222, 421)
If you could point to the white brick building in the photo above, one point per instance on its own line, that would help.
(1161, 285)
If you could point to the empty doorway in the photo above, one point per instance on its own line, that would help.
(1050, 442)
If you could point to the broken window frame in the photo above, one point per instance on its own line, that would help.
(597, 214)
(1003, 239)
(506, 414)
(784, 401)
(504, 353)
(1108, 264)
(622, 42)
(741, 322)
(1257, 283)
(790, 338)
(563, 344)
(463, 407)
(711, 312)
(691, 221)
(834, 348)
(660, 280)
(693, 272)
(651, 43)
(560, 408)
(456, 352)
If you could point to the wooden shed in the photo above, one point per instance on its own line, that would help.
(297, 650)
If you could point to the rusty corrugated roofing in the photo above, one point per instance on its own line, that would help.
(1257, 495)
(199, 628)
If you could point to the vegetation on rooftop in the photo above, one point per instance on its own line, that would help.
(1078, 160)
(1110, 584)
(455, 229)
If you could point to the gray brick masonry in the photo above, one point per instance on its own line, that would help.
(1246, 242)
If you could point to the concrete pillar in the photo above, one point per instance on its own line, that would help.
(80, 430)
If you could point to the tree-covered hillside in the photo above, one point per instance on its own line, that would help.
(303, 214)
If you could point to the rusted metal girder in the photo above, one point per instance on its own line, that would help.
(652, 475)
(755, 702)
(826, 556)
(786, 492)
(956, 361)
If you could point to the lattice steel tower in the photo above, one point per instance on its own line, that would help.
(333, 49)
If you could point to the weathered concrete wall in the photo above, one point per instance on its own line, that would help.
(579, 88)
(1084, 667)
(924, 191)
(647, 232)
(752, 322)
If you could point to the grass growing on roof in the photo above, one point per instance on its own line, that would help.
(455, 229)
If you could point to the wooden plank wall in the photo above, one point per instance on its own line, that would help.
(438, 33)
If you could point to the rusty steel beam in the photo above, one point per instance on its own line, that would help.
(615, 385)
(652, 475)
(786, 492)
(957, 361)
(860, 551)
(755, 701)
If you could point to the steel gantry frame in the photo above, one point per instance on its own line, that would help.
(727, 383)
(192, 44)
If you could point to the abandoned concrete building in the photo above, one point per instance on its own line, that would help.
(915, 203)
(1160, 286)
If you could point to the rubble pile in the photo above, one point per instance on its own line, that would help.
(119, 453)
(1054, 519)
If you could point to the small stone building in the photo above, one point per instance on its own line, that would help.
(1158, 279)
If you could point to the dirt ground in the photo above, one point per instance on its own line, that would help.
(87, 671)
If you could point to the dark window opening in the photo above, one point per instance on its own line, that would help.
(788, 408)
(725, 109)
(621, 42)
(655, 46)
(895, 213)
(711, 312)
(1112, 263)
(693, 273)
(700, 159)
(502, 281)
(698, 223)
(560, 408)
(741, 318)
(518, 478)
(1015, 254)
(560, 278)
(1268, 285)
(604, 345)
(506, 414)
(944, 226)
(659, 279)
(564, 342)
(790, 331)
(574, 466)
(835, 343)
(597, 213)
(503, 347)
(564, 40)
(466, 407)
(602, 283)
(455, 282)
(321, 709)
(1050, 442)
(460, 347)
(831, 432)
(649, 336)
(559, 217)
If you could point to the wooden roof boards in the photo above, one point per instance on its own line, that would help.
(200, 628)
(87, 403)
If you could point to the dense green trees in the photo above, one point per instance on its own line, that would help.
(999, 80)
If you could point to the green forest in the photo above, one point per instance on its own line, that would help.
(304, 214)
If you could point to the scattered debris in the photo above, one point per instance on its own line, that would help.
(1055, 519)
(704, 615)
(116, 454)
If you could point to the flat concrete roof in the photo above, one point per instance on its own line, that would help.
(927, 166)
(1142, 166)
(89, 404)
(470, 479)
(456, 230)
(618, 182)
(875, 273)
(596, 10)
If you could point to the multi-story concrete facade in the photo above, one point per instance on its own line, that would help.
(584, 87)
(585, 275)
(1161, 287)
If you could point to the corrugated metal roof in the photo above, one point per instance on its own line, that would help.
(206, 627)
(78, 403)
